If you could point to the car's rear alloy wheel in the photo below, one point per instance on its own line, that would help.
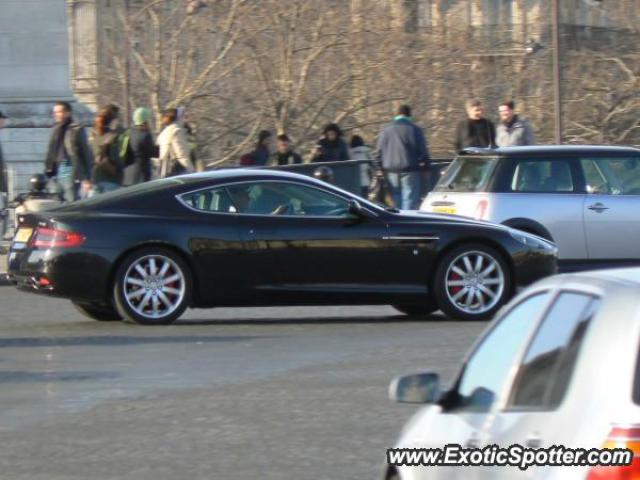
(472, 282)
(99, 312)
(152, 287)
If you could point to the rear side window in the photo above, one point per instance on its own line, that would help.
(211, 200)
(553, 175)
(467, 174)
(546, 369)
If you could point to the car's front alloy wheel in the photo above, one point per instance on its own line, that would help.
(472, 282)
(152, 287)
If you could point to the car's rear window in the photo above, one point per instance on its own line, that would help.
(467, 174)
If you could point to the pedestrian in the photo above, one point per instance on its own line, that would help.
(476, 130)
(512, 131)
(105, 144)
(192, 141)
(285, 155)
(4, 186)
(69, 160)
(403, 149)
(138, 148)
(259, 156)
(174, 148)
(359, 151)
(331, 147)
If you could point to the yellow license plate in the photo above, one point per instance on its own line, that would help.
(23, 235)
(449, 210)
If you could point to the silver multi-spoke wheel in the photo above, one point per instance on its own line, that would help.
(154, 286)
(474, 282)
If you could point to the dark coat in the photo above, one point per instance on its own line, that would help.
(77, 148)
(475, 133)
(4, 187)
(143, 148)
(331, 151)
(402, 146)
(288, 158)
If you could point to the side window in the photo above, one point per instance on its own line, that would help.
(214, 200)
(487, 370)
(542, 176)
(274, 198)
(612, 176)
(547, 367)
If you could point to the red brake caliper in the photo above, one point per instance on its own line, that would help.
(455, 276)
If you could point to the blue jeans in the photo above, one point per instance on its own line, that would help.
(405, 189)
(68, 188)
(103, 187)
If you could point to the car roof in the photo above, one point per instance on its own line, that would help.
(232, 173)
(552, 150)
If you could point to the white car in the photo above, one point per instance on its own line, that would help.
(560, 365)
(584, 198)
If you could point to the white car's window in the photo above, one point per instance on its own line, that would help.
(549, 176)
(275, 198)
(486, 372)
(612, 176)
(547, 367)
(213, 200)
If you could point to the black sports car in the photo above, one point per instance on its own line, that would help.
(241, 237)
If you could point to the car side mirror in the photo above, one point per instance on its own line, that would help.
(416, 388)
(355, 209)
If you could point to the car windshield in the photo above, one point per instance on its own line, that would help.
(467, 174)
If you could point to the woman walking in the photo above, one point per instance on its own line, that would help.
(104, 141)
(174, 149)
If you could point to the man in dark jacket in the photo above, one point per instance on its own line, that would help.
(138, 149)
(284, 153)
(476, 130)
(403, 149)
(69, 158)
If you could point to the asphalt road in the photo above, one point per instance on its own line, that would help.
(273, 393)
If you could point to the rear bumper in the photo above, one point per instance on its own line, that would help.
(82, 275)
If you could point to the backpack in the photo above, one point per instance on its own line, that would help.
(125, 151)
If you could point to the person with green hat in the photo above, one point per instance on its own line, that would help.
(139, 148)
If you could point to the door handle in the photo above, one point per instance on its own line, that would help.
(598, 207)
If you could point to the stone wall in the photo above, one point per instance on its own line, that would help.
(34, 66)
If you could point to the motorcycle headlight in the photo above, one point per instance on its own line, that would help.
(531, 240)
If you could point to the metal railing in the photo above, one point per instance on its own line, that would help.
(347, 174)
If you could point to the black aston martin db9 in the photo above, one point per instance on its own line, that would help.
(241, 237)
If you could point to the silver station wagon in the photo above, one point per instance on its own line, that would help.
(585, 198)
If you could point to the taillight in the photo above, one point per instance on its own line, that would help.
(481, 210)
(54, 238)
(620, 437)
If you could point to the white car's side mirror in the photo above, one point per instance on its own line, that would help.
(416, 388)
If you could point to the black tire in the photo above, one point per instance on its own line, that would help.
(445, 267)
(101, 313)
(122, 287)
(418, 309)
